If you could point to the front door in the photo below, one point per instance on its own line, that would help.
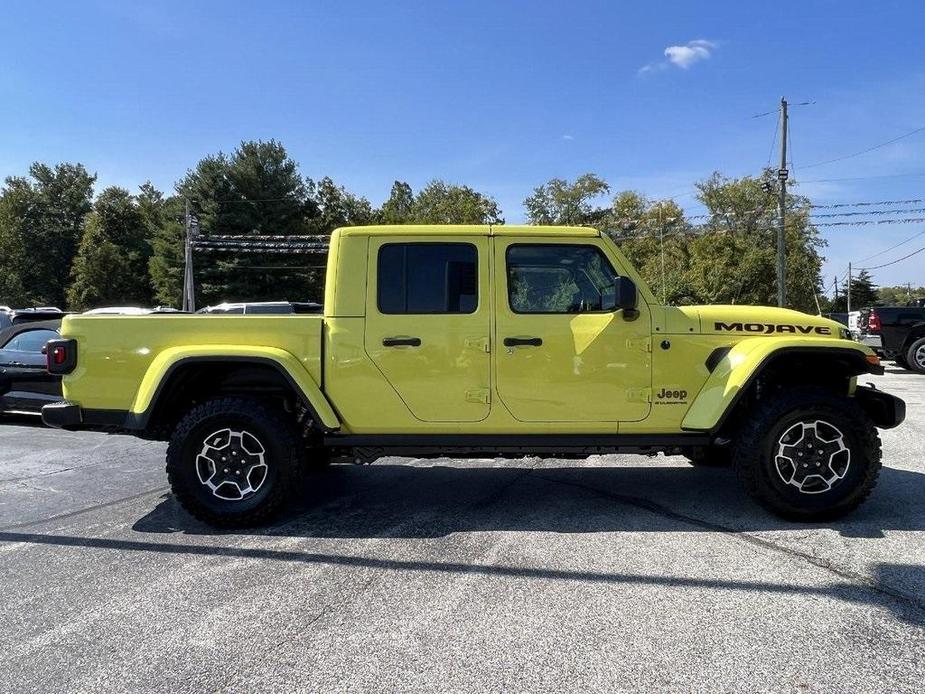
(564, 354)
(427, 324)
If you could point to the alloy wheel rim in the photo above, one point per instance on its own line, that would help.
(920, 357)
(812, 456)
(232, 464)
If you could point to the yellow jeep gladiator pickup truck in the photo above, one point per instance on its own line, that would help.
(476, 341)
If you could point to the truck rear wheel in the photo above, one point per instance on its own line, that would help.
(807, 454)
(915, 356)
(232, 462)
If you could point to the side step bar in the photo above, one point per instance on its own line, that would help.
(367, 448)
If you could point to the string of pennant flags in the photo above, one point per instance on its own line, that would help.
(833, 206)
(621, 229)
(865, 213)
(320, 244)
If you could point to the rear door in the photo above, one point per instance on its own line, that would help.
(427, 323)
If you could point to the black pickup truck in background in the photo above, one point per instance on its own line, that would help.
(896, 332)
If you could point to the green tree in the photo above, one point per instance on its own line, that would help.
(654, 236)
(337, 207)
(399, 208)
(864, 293)
(442, 203)
(164, 219)
(734, 260)
(41, 217)
(256, 190)
(729, 259)
(111, 267)
(560, 202)
(12, 248)
(900, 295)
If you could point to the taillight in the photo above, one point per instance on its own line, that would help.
(873, 323)
(58, 355)
(61, 356)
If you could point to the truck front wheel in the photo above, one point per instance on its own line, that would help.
(232, 462)
(807, 454)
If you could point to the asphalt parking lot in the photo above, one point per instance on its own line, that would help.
(614, 573)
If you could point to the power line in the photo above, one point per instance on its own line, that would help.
(865, 151)
(773, 141)
(893, 262)
(862, 178)
(901, 243)
(793, 168)
(776, 111)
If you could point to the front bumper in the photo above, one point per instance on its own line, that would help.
(886, 411)
(62, 415)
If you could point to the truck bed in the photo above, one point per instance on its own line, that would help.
(117, 351)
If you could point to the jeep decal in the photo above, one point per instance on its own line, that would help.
(769, 328)
(671, 396)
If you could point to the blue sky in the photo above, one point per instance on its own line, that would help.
(501, 96)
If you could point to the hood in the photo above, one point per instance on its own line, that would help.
(759, 320)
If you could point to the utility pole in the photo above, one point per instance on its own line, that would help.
(848, 292)
(661, 245)
(189, 287)
(836, 289)
(781, 209)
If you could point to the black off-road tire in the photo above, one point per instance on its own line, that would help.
(708, 456)
(759, 439)
(282, 456)
(914, 359)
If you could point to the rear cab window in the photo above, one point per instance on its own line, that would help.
(427, 278)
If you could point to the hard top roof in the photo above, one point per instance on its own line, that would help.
(467, 230)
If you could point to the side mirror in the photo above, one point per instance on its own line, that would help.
(626, 297)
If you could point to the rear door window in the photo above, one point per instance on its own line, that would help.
(427, 278)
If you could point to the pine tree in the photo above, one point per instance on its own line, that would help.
(863, 290)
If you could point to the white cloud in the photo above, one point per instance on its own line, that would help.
(682, 56)
(568, 137)
(693, 52)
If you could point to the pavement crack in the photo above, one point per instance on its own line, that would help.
(80, 512)
(10, 480)
(862, 580)
(499, 493)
